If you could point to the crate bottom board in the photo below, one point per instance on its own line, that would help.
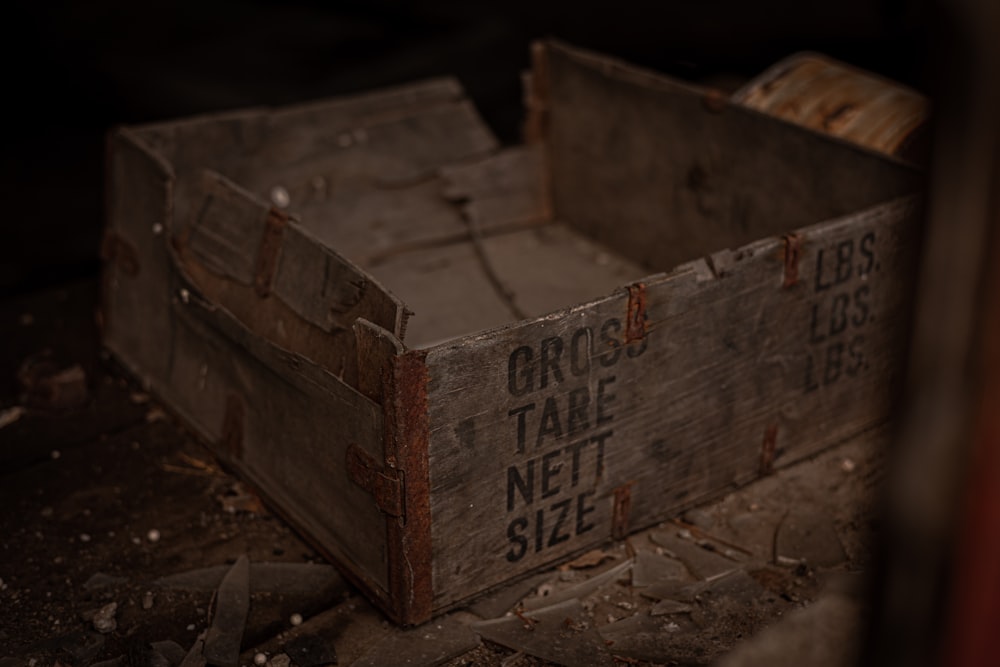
(462, 288)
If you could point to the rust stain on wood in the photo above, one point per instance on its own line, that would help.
(232, 427)
(715, 100)
(635, 328)
(767, 449)
(536, 124)
(408, 431)
(269, 251)
(620, 512)
(121, 252)
(793, 253)
(385, 485)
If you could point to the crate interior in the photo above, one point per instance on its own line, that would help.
(637, 174)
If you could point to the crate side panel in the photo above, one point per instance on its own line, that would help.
(137, 274)
(665, 173)
(499, 418)
(552, 436)
(285, 425)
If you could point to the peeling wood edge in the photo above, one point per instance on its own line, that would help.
(407, 424)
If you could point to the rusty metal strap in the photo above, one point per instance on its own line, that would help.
(233, 428)
(635, 327)
(269, 251)
(621, 511)
(793, 254)
(121, 252)
(767, 449)
(384, 485)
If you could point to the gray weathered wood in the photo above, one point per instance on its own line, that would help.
(731, 358)
(296, 425)
(663, 172)
(314, 294)
(450, 291)
(564, 385)
(357, 172)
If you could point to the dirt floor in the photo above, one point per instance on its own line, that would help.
(123, 541)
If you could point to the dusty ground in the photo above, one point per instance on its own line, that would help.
(107, 501)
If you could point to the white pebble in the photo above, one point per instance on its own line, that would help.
(260, 659)
(56, 454)
(280, 197)
(84, 537)
(295, 619)
(190, 627)
(153, 535)
(847, 465)
(157, 229)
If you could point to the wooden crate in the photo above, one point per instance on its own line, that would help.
(450, 364)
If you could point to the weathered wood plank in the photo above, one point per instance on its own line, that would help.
(549, 268)
(664, 172)
(279, 280)
(459, 289)
(504, 188)
(609, 416)
(357, 172)
(253, 402)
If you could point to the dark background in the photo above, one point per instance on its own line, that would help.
(74, 69)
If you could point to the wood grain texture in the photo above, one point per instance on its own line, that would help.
(663, 173)
(294, 420)
(356, 172)
(540, 422)
(575, 397)
(315, 294)
(298, 423)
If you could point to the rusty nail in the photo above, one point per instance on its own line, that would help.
(767, 449)
(793, 253)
